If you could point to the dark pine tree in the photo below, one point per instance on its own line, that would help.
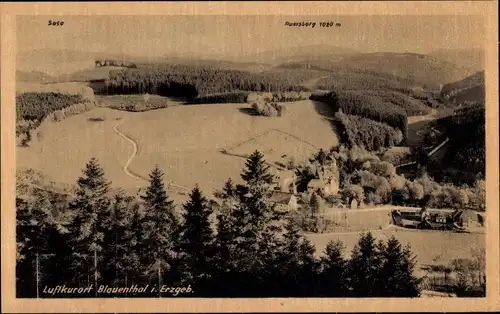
(34, 226)
(258, 224)
(296, 265)
(90, 208)
(363, 267)
(228, 189)
(196, 243)
(227, 233)
(256, 173)
(133, 237)
(396, 272)
(333, 275)
(160, 229)
(118, 253)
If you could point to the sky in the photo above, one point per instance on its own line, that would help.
(245, 35)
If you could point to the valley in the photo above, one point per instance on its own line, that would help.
(324, 132)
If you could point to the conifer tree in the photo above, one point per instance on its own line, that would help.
(296, 262)
(90, 208)
(196, 243)
(257, 217)
(133, 237)
(160, 227)
(315, 205)
(396, 272)
(363, 268)
(228, 189)
(33, 229)
(118, 250)
(256, 173)
(333, 276)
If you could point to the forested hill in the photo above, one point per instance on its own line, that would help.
(419, 69)
(470, 88)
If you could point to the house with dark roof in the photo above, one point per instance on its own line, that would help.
(285, 201)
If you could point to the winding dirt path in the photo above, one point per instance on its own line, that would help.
(129, 160)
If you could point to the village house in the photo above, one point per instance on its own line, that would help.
(285, 201)
(285, 182)
(327, 182)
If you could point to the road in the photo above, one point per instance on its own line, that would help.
(134, 153)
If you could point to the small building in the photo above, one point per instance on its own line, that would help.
(327, 182)
(285, 201)
(286, 182)
(315, 185)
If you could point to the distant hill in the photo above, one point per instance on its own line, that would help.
(86, 75)
(37, 77)
(57, 62)
(213, 63)
(469, 58)
(470, 88)
(300, 54)
(418, 69)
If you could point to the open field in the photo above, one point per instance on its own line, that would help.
(185, 141)
(66, 146)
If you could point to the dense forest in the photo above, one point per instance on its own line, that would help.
(358, 104)
(372, 135)
(252, 250)
(36, 106)
(358, 79)
(32, 108)
(189, 82)
(466, 130)
(412, 106)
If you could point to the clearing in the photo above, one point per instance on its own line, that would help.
(184, 141)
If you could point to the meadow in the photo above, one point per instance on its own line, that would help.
(185, 141)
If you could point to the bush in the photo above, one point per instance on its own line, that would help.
(267, 109)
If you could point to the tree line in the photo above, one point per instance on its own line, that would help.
(239, 245)
(355, 103)
(36, 106)
(189, 82)
(370, 134)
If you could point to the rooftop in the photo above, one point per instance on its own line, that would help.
(281, 197)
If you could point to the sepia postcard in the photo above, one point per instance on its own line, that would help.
(249, 157)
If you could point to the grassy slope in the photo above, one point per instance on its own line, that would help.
(66, 146)
(192, 136)
(184, 140)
